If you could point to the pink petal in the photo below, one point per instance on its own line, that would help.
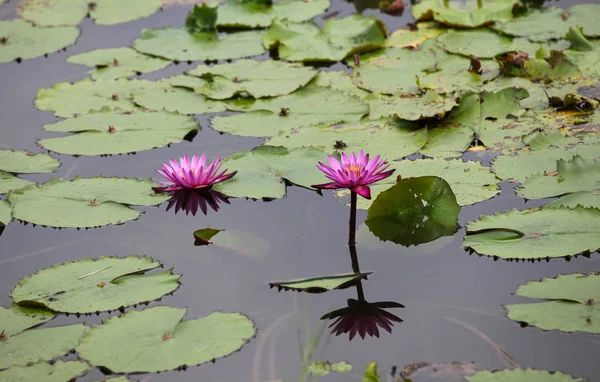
(332, 185)
(363, 191)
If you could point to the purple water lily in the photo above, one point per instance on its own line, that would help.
(354, 172)
(192, 174)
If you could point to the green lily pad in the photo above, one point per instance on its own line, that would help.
(91, 202)
(586, 17)
(19, 40)
(24, 162)
(537, 25)
(5, 213)
(88, 285)
(465, 14)
(409, 108)
(255, 78)
(118, 62)
(39, 345)
(558, 66)
(572, 303)
(575, 175)
(578, 41)
(286, 114)
(159, 339)
(339, 80)
(408, 38)
(199, 42)
(404, 71)
(321, 284)
(111, 12)
(587, 61)
(520, 375)
(264, 170)
(245, 243)
(538, 97)
(414, 211)
(323, 368)
(9, 182)
(534, 233)
(260, 13)
(170, 98)
(470, 181)
(393, 139)
(338, 39)
(18, 318)
(110, 133)
(587, 199)
(484, 43)
(493, 117)
(57, 372)
(47, 13)
(85, 96)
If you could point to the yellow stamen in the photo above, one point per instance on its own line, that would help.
(355, 169)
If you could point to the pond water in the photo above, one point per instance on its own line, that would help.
(450, 296)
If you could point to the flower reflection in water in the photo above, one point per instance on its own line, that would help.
(191, 201)
(364, 318)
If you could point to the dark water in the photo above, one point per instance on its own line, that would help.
(440, 284)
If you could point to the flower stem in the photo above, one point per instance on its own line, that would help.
(352, 228)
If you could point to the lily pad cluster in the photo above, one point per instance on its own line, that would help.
(105, 284)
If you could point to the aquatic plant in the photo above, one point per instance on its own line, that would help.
(192, 174)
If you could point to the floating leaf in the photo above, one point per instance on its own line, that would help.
(39, 345)
(110, 133)
(470, 181)
(245, 243)
(158, 339)
(110, 12)
(538, 97)
(534, 233)
(90, 202)
(88, 285)
(484, 43)
(264, 170)
(256, 78)
(414, 211)
(468, 14)
(260, 13)
(587, 199)
(199, 41)
(409, 108)
(18, 318)
(85, 96)
(323, 368)
(409, 38)
(118, 62)
(537, 25)
(588, 62)
(20, 40)
(392, 139)
(586, 17)
(45, 13)
(573, 303)
(9, 182)
(24, 162)
(339, 80)
(557, 66)
(286, 114)
(520, 375)
(57, 372)
(339, 38)
(321, 284)
(575, 175)
(5, 213)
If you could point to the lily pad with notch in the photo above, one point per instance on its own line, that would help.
(537, 25)
(414, 211)
(586, 17)
(467, 14)
(46, 13)
(245, 243)
(18, 318)
(321, 284)
(95, 285)
(59, 371)
(260, 13)
(158, 339)
(533, 233)
(572, 303)
(24, 162)
(91, 202)
(9, 181)
(410, 108)
(111, 12)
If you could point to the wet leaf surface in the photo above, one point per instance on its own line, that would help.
(158, 339)
(414, 211)
(572, 303)
(95, 285)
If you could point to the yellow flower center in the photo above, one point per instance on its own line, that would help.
(355, 169)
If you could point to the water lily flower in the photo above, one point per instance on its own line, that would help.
(191, 201)
(192, 174)
(354, 172)
(364, 318)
